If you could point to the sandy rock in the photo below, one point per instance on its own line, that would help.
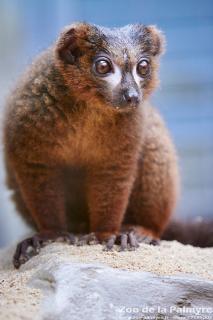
(171, 281)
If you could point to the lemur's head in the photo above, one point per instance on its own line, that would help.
(116, 66)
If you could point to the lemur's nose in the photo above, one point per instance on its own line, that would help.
(131, 97)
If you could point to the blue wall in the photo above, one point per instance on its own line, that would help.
(185, 97)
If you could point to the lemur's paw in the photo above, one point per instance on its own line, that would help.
(87, 239)
(126, 241)
(30, 247)
(148, 240)
(142, 234)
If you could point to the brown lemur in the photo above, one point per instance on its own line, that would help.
(84, 150)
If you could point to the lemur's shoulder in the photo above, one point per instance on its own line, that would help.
(153, 121)
(40, 87)
(157, 137)
(39, 75)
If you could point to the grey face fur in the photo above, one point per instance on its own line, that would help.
(124, 84)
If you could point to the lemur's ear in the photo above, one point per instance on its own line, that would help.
(159, 40)
(72, 42)
(153, 40)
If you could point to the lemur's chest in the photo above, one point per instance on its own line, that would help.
(94, 137)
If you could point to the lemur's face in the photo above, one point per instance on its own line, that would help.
(115, 66)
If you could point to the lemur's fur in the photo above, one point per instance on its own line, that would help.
(81, 158)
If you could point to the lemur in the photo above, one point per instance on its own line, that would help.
(85, 151)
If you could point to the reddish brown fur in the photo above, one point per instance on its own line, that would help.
(60, 136)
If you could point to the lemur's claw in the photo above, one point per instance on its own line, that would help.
(148, 240)
(30, 247)
(87, 239)
(110, 243)
(126, 241)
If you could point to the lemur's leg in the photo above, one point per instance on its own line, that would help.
(156, 187)
(108, 190)
(42, 190)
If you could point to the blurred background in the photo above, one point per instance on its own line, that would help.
(185, 97)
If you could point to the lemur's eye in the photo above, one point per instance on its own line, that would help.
(103, 66)
(143, 67)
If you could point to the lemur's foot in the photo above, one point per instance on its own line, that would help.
(143, 235)
(87, 239)
(126, 241)
(30, 247)
(148, 240)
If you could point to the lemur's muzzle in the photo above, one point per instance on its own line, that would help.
(131, 97)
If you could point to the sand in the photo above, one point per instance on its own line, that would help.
(19, 301)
